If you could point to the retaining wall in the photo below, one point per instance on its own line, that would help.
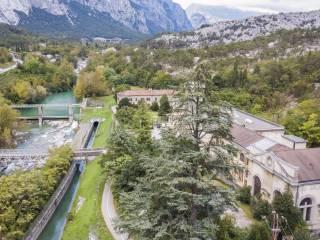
(43, 218)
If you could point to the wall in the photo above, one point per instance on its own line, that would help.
(41, 221)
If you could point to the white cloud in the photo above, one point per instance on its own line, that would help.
(262, 5)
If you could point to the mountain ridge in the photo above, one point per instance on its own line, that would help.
(200, 14)
(133, 17)
(239, 30)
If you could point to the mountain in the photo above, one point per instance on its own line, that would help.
(16, 38)
(95, 18)
(200, 14)
(238, 30)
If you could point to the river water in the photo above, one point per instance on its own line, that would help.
(52, 134)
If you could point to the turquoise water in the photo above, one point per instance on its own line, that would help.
(54, 228)
(56, 98)
(52, 133)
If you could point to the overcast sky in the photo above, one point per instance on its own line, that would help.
(262, 5)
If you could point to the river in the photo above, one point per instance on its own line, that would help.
(52, 134)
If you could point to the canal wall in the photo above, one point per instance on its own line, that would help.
(41, 221)
(85, 136)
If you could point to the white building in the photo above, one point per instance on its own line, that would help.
(148, 96)
(273, 161)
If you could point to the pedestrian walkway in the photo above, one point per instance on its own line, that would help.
(110, 214)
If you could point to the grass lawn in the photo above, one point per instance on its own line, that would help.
(89, 218)
(247, 211)
(104, 128)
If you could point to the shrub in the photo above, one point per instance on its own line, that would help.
(259, 231)
(244, 195)
(125, 102)
(228, 230)
(302, 234)
(155, 106)
(260, 208)
(284, 206)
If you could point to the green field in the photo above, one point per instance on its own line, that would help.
(89, 220)
(105, 113)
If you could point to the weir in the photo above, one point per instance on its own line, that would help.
(43, 111)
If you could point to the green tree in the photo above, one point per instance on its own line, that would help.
(259, 231)
(303, 234)
(24, 194)
(124, 102)
(165, 107)
(161, 80)
(284, 205)
(91, 84)
(261, 208)
(8, 123)
(178, 197)
(304, 121)
(154, 106)
(244, 195)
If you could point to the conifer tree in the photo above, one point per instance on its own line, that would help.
(178, 197)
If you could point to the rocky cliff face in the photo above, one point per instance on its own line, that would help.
(239, 30)
(144, 16)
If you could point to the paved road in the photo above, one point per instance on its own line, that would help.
(109, 213)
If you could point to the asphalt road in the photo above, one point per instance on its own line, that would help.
(109, 213)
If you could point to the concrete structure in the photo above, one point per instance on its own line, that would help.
(149, 96)
(41, 116)
(273, 162)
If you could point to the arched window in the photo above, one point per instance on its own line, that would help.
(306, 208)
(242, 158)
(256, 186)
(276, 193)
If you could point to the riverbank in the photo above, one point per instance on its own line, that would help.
(86, 221)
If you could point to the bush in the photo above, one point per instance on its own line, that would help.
(260, 208)
(302, 234)
(244, 195)
(125, 102)
(154, 107)
(284, 206)
(24, 194)
(259, 231)
(228, 230)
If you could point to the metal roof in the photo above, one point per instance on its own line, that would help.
(295, 139)
(254, 123)
(308, 161)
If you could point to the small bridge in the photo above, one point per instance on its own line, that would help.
(38, 155)
(43, 111)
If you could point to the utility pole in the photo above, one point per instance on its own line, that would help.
(275, 225)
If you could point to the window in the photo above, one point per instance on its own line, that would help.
(276, 193)
(256, 186)
(306, 208)
(241, 175)
(242, 158)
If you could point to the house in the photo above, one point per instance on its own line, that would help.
(273, 162)
(149, 96)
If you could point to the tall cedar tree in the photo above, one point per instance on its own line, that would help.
(179, 196)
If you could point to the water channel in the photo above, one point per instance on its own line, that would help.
(53, 134)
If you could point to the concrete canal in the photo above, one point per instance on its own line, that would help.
(55, 227)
